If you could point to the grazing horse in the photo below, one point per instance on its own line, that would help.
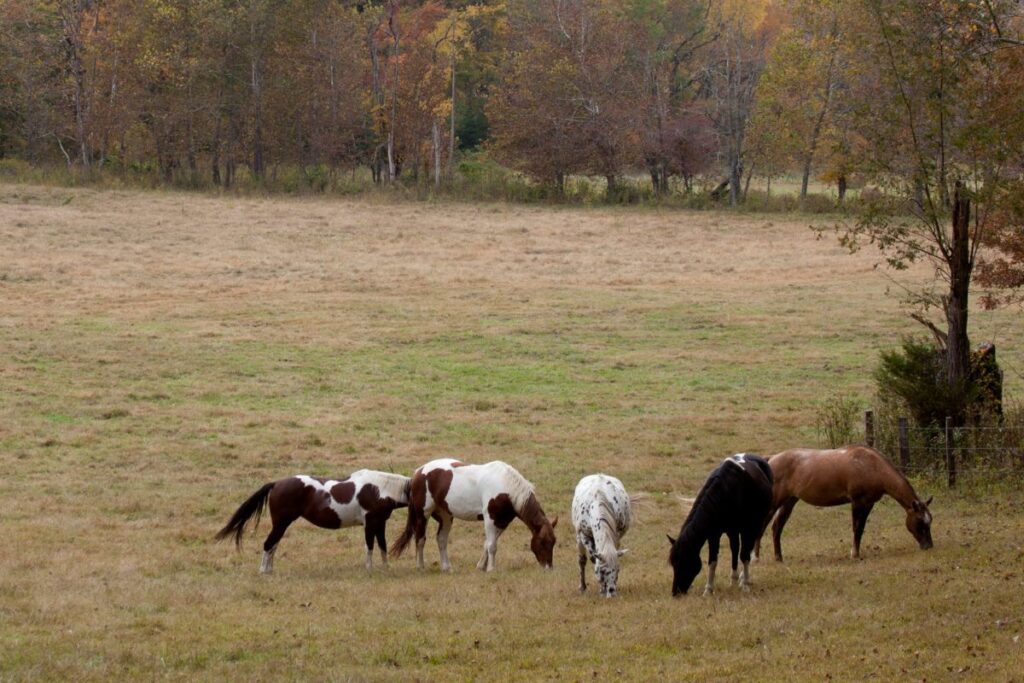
(494, 493)
(733, 501)
(366, 497)
(601, 516)
(853, 474)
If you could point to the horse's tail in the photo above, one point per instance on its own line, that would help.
(253, 507)
(398, 546)
(766, 470)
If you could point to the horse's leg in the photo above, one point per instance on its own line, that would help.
(368, 534)
(764, 527)
(270, 545)
(582, 549)
(734, 549)
(491, 533)
(860, 518)
(421, 538)
(713, 541)
(444, 527)
(747, 540)
(780, 521)
(381, 541)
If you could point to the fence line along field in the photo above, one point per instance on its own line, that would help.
(165, 355)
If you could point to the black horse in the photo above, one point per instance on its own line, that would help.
(734, 501)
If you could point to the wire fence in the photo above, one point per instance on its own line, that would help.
(976, 451)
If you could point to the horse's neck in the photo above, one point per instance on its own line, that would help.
(897, 486)
(694, 533)
(532, 514)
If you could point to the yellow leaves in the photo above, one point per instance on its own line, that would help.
(746, 15)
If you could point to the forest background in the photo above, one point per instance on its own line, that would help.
(593, 99)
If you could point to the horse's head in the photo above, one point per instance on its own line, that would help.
(685, 567)
(606, 567)
(543, 542)
(919, 522)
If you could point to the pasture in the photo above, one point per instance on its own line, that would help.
(164, 355)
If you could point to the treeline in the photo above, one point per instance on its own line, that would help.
(196, 90)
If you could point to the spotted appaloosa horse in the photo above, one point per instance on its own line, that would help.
(733, 501)
(601, 515)
(366, 498)
(853, 474)
(494, 493)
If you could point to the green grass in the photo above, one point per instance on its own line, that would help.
(148, 388)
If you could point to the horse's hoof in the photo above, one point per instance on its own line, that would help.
(745, 587)
(708, 592)
(583, 589)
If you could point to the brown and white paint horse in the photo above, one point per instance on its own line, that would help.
(494, 493)
(366, 498)
(853, 474)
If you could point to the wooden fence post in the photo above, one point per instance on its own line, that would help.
(904, 445)
(869, 428)
(950, 456)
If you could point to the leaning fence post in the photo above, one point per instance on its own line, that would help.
(904, 445)
(950, 457)
(869, 428)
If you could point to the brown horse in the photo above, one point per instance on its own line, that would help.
(853, 474)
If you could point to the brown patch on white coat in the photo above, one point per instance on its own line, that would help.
(494, 493)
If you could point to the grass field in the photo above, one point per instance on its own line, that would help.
(163, 355)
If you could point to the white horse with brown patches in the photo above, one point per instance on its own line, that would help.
(494, 493)
(601, 515)
(365, 498)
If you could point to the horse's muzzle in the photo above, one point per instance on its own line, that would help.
(926, 545)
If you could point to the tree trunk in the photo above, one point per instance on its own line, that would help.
(71, 18)
(437, 154)
(393, 28)
(842, 189)
(958, 348)
(611, 185)
(451, 133)
(735, 180)
(258, 162)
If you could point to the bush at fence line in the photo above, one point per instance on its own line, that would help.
(836, 421)
(916, 374)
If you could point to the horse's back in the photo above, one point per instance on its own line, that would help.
(595, 490)
(829, 476)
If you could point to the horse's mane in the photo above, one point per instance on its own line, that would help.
(709, 499)
(394, 486)
(519, 489)
(604, 538)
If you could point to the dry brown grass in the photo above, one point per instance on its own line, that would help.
(164, 354)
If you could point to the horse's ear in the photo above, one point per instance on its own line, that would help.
(929, 501)
(623, 551)
(554, 521)
(671, 541)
